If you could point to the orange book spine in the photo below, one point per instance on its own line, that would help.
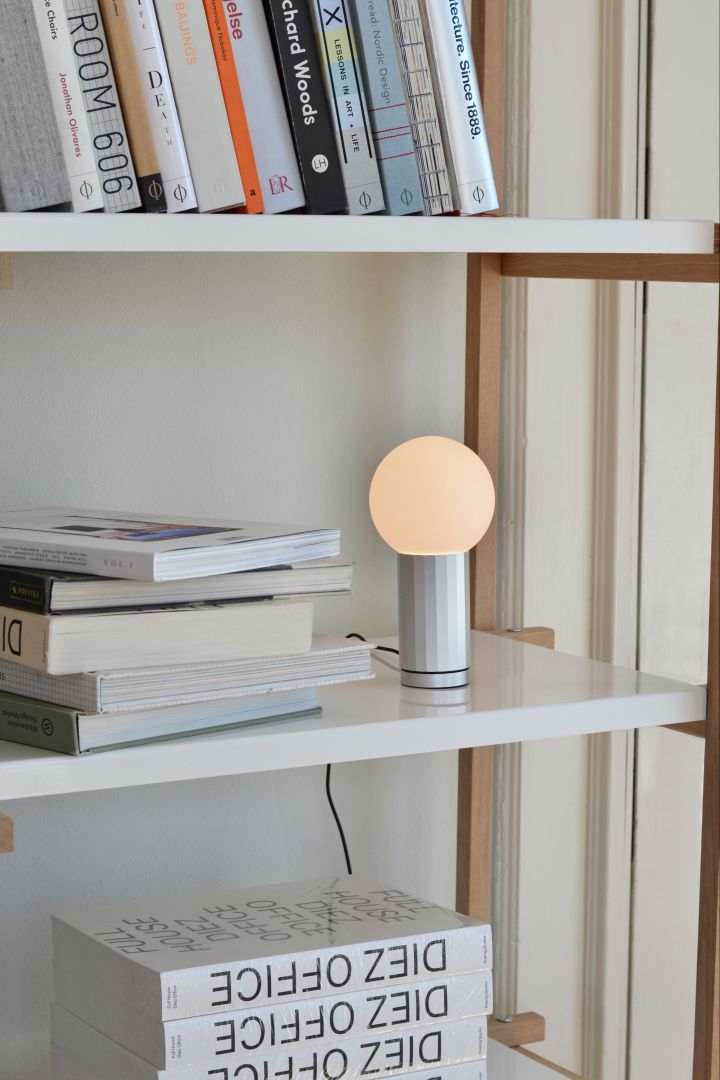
(234, 105)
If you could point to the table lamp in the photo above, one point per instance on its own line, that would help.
(432, 499)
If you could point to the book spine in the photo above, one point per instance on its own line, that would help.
(172, 156)
(24, 637)
(49, 555)
(24, 590)
(459, 105)
(196, 85)
(32, 169)
(98, 85)
(264, 106)
(197, 991)
(68, 106)
(299, 68)
(348, 107)
(116, 18)
(64, 1067)
(328, 1019)
(427, 1050)
(34, 723)
(376, 1055)
(234, 105)
(388, 110)
(422, 106)
(80, 692)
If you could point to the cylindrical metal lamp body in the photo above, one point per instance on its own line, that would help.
(434, 610)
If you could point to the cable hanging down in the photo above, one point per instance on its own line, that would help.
(328, 792)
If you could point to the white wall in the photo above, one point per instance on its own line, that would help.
(264, 387)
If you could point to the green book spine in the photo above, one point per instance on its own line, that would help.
(34, 723)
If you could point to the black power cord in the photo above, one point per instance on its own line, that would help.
(328, 768)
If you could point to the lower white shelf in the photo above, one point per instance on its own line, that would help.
(518, 692)
(506, 1064)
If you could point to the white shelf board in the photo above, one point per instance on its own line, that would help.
(518, 692)
(286, 233)
(506, 1064)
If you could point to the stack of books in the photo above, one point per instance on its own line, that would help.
(314, 980)
(269, 106)
(117, 630)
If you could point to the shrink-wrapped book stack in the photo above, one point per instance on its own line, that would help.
(117, 630)
(315, 980)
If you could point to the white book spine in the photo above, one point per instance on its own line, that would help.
(267, 119)
(81, 691)
(65, 1067)
(220, 988)
(169, 144)
(196, 85)
(98, 86)
(329, 1019)
(47, 555)
(67, 102)
(24, 637)
(426, 1047)
(459, 106)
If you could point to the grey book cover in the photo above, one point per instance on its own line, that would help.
(415, 69)
(387, 107)
(32, 169)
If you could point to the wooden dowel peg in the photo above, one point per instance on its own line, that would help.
(7, 270)
(7, 837)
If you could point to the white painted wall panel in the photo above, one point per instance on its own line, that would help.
(264, 387)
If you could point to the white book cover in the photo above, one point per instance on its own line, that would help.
(67, 102)
(329, 661)
(65, 1067)
(98, 86)
(65, 644)
(459, 106)
(409, 1050)
(237, 948)
(271, 1028)
(167, 134)
(196, 85)
(270, 134)
(150, 547)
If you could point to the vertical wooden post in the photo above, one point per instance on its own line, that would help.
(707, 997)
(482, 416)
(6, 834)
(7, 270)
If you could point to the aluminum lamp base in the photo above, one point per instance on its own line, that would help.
(434, 610)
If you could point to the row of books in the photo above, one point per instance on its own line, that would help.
(116, 630)
(360, 107)
(313, 980)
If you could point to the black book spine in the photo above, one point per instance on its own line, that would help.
(293, 37)
(25, 590)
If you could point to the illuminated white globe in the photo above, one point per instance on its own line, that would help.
(432, 496)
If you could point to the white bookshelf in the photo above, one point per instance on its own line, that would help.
(288, 233)
(506, 1064)
(518, 692)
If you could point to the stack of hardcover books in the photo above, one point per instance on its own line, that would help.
(116, 630)
(361, 107)
(314, 980)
